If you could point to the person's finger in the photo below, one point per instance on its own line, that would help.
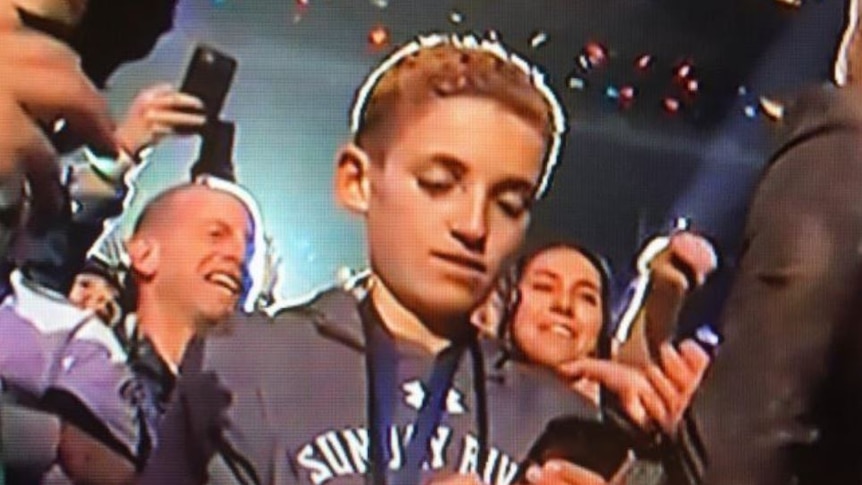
(694, 355)
(159, 131)
(173, 100)
(696, 252)
(162, 87)
(640, 401)
(675, 402)
(635, 409)
(653, 404)
(155, 92)
(618, 377)
(666, 389)
(564, 473)
(667, 275)
(184, 100)
(175, 118)
(675, 367)
(589, 368)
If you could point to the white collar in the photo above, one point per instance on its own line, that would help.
(47, 310)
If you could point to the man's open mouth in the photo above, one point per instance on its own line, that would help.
(230, 283)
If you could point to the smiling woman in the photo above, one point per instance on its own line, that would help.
(561, 305)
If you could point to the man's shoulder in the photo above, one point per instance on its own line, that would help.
(820, 108)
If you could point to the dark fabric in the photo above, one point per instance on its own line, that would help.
(73, 411)
(215, 156)
(154, 383)
(782, 402)
(298, 406)
(51, 254)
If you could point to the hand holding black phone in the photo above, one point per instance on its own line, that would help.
(209, 77)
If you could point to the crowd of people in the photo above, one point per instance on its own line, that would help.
(458, 357)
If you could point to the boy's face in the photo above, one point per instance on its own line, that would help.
(559, 314)
(450, 202)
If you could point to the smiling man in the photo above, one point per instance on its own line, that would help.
(188, 257)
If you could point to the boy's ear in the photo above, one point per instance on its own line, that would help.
(352, 182)
(144, 255)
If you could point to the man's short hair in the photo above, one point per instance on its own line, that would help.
(158, 207)
(438, 66)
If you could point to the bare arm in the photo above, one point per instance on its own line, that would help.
(87, 461)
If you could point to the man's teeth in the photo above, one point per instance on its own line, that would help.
(562, 330)
(224, 281)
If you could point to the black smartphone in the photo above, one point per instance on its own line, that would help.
(209, 76)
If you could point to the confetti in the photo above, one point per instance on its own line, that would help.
(612, 93)
(380, 3)
(378, 36)
(772, 108)
(750, 111)
(692, 86)
(742, 91)
(59, 124)
(644, 62)
(577, 83)
(627, 93)
(683, 70)
(299, 11)
(627, 96)
(595, 53)
(455, 17)
(538, 39)
(671, 105)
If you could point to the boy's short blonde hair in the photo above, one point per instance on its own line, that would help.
(439, 66)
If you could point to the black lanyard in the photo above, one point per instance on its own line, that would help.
(382, 372)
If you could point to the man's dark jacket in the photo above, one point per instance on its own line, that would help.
(783, 402)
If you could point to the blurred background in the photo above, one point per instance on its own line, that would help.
(666, 101)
